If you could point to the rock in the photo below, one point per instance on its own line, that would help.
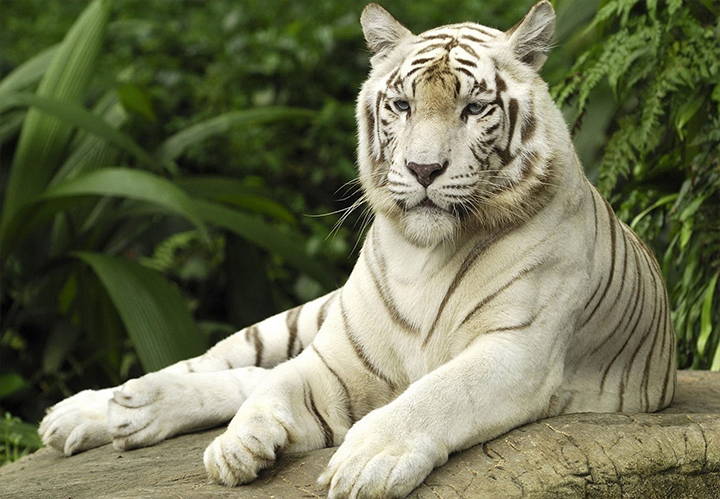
(671, 454)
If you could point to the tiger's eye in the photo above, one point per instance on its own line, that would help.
(474, 109)
(402, 105)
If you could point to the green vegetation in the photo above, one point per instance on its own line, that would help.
(169, 168)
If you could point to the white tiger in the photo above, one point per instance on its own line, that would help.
(495, 287)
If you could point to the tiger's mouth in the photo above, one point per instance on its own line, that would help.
(426, 204)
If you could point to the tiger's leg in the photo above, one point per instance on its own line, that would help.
(304, 404)
(503, 381)
(84, 420)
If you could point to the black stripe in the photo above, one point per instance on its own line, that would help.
(322, 314)
(516, 327)
(473, 39)
(348, 400)
(669, 368)
(624, 316)
(465, 62)
(381, 285)
(291, 322)
(370, 126)
(528, 128)
(435, 37)
(465, 71)
(467, 48)
(254, 333)
(389, 81)
(629, 331)
(482, 245)
(430, 48)
(422, 60)
(513, 108)
(656, 315)
(324, 426)
(500, 85)
(359, 350)
(629, 364)
(479, 30)
(613, 242)
(497, 292)
(595, 216)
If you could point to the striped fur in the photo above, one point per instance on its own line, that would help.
(495, 287)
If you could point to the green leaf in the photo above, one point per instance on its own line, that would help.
(77, 116)
(173, 147)
(89, 151)
(236, 193)
(135, 100)
(11, 124)
(11, 383)
(288, 245)
(43, 138)
(660, 202)
(121, 182)
(154, 314)
(27, 73)
(706, 321)
(27, 432)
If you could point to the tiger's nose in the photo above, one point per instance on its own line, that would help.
(426, 174)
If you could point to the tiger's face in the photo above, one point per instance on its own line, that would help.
(449, 127)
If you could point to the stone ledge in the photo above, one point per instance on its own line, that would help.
(671, 454)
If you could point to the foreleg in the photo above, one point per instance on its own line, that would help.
(502, 381)
(137, 414)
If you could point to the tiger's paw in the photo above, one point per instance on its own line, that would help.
(249, 445)
(77, 423)
(147, 410)
(377, 460)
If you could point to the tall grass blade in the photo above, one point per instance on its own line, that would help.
(73, 115)
(288, 245)
(173, 147)
(43, 138)
(234, 192)
(153, 312)
(120, 182)
(28, 73)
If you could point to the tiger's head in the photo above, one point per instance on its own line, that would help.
(456, 129)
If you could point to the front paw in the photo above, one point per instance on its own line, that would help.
(147, 410)
(77, 423)
(381, 458)
(249, 445)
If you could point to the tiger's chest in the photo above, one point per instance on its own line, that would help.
(413, 301)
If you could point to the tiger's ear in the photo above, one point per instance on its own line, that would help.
(382, 31)
(530, 38)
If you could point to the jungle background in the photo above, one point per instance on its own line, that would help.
(174, 170)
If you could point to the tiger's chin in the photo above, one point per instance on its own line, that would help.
(429, 226)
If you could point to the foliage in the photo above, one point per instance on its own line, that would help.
(18, 439)
(661, 162)
(76, 297)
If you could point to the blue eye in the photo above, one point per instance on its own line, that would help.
(402, 105)
(474, 109)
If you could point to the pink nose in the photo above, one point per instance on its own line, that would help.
(426, 174)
